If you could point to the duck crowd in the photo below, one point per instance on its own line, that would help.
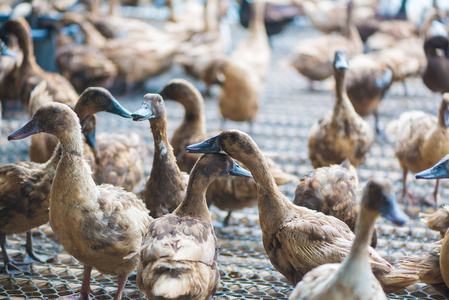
(64, 61)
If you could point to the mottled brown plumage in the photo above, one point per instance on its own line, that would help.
(421, 140)
(83, 65)
(30, 74)
(178, 259)
(340, 134)
(438, 221)
(333, 191)
(353, 278)
(166, 186)
(101, 226)
(227, 193)
(296, 238)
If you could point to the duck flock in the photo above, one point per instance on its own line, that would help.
(115, 213)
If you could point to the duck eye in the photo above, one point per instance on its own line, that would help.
(55, 111)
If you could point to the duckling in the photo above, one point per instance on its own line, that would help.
(296, 238)
(333, 191)
(420, 141)
(25, 186)
(178, 258)
(166, 186)
(227, 193)
(313, 56)
(438, 221)
(83, 65)
(342, 133)
(437, 68)
(101, 226)
(255, 50)
(353, 278)
(366, 83)
(30, 73)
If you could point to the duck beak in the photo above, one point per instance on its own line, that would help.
(437, 171)
(30, 128)
(143, 113)
(6, 51)
(239, 171)
(208, 146)
(392, 212)
(341, 61)
(117, 109)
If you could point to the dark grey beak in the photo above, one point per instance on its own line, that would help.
(239, 171)
(393, 213)
(30, 128)
(143, 113)
(6, 51)
(436, 172)
(208, 146)
(117, 109)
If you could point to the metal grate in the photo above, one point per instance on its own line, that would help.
(288, 110)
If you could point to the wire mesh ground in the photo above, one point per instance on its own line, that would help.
(288, 110)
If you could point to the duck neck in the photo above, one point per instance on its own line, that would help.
(26, 45)
(341, 99)
(211, 16)
(347, 29)
(194, 112)
(357, 261)
(257, 21)
(163, 152)
(113, 8)
(92, 35)
(195, 205)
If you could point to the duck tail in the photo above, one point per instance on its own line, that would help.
(168, 279)
(427, 265)
(438, 221)
(398, 279)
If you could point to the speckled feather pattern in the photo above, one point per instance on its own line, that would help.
(182, 252)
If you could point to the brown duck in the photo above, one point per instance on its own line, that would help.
(296, 238)
(101, 226)
(178, 259)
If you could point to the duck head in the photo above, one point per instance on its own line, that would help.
(436, 42)
(175, 89)
(229, 142)
(378, 196)
(214, 165)
(341, 61)
(152, 107)
(53, 118)
(439, 170)
(97, 99)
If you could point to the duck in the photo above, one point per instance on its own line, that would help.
(83, 65)
(255, 50)
(166, 186)
(240, 89)
(437, 221)
(333, 191)
(431, 265)
(313, 56)
(341, 134)
(437, 64)
(295, 238)
(30, 73)
(184, 242)
(353, 278)
(25, 188)
(116, 220)
(420, 141)
(227, 193)
(367, 81)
